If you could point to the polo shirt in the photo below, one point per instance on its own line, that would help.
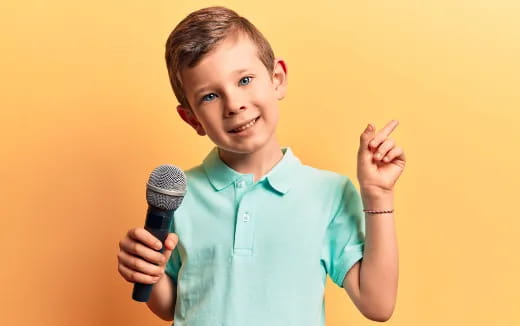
(258, 253)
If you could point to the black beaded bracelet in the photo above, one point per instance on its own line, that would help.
(377, 212)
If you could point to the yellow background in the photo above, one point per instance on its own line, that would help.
(87, 112)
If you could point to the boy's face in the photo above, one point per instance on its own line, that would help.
(234, 99)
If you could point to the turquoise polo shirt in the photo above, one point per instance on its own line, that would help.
(258, 253)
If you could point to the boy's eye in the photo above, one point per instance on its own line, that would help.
(244, 81)
(208, 97)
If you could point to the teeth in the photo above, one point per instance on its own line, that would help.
(250, 124)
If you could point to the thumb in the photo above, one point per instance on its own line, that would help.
(169, 244)
(367, 135)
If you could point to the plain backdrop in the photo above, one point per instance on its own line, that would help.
(87, 112)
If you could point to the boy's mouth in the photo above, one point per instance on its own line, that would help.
(245, 126)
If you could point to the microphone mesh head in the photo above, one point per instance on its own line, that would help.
(166, 177)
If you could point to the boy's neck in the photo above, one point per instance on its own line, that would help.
(257, 163)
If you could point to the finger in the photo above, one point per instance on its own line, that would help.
(367, 135)
(170, 243)
(133, 276)
(392, 154)
(142, 235)
(383, 134)
(135, 248)
(139, 265)
(387, 130)
(387, 145)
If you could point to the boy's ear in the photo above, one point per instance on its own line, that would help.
(190, 118)
(280, 78)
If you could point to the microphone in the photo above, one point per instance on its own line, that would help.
(164, 193)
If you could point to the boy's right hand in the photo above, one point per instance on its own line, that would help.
(139, 260)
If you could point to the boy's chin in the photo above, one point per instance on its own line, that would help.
(247, 145)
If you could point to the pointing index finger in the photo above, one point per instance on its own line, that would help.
(387, 130)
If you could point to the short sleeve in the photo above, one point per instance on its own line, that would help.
(173, 265)
(345, 235)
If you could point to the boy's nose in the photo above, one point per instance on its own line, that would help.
(233, 108)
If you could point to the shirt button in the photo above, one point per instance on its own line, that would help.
(245, 217)
(241, 184)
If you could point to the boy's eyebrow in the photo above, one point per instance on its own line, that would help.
(204, 88)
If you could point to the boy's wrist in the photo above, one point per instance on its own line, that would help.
(379, 200)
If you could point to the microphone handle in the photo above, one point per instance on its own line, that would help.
(158, 222)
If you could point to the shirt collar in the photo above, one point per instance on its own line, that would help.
(280, 177)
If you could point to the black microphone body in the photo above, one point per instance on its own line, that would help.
(158, 222)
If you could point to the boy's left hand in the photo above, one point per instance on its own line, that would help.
(378, 174)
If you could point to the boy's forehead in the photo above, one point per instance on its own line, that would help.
(230, 56)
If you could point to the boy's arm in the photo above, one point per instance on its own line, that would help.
(372, 282)
(163, 298)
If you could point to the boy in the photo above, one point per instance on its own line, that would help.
(258, 231)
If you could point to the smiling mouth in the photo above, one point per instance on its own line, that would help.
(246, 126)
